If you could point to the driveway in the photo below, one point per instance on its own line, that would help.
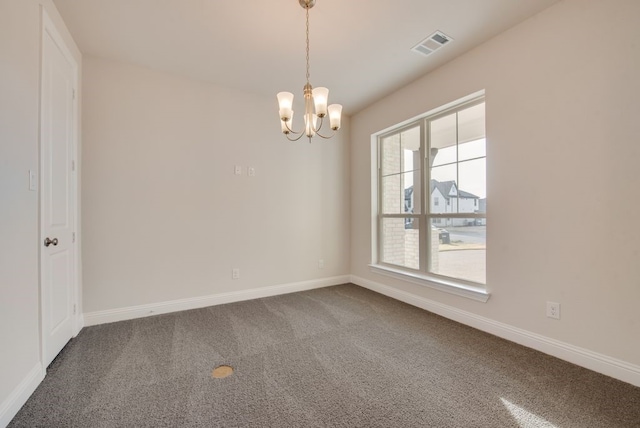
(465, 264)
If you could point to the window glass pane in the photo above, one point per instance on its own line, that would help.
(472, 149)
(400, 195)
(458, 248)
(400, 242)
(471, 123)
(392, 195)
(390, 155)
(412, 192)
(443, 189)
(443, 138)
(410, 144)
(473, 186)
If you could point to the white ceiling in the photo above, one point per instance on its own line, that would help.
(360, 49)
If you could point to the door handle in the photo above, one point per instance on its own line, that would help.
(48, 242)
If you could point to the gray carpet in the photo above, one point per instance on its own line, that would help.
(340, 356)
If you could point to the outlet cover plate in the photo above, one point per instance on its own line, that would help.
(553, 310)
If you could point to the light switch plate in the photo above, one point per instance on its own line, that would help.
(33, 180)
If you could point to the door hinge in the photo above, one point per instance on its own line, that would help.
(73, 165)
(73, 237)
(74, 309)
(73, 93)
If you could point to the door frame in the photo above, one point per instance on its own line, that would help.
(48, 27)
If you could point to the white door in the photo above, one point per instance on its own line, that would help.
(58, 199)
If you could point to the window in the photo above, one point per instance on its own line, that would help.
(438, 157)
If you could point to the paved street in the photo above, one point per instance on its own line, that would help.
(465, 256)
(470, 234)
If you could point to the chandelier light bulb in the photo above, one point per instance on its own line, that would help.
(310, 122)
(285, 126)
(335, 116)
(320, 98)
(285, 101)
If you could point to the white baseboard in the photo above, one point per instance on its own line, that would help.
(600, 363)
(10, 407)
(132, 312)
(78, 324)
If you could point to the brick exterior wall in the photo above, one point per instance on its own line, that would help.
(400, 246)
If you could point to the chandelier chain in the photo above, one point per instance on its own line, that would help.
(308, 74)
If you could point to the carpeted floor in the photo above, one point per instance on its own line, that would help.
(341, 356)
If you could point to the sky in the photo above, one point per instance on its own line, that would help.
(471, 173)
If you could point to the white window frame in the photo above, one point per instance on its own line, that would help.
(420, 276)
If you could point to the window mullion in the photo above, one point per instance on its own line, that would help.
(457, 164)
(426, 198)
(379, 238)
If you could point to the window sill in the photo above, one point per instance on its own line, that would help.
(440, 284)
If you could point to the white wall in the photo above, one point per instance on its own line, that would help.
(164, 216)
(562, 93)
(20, 40)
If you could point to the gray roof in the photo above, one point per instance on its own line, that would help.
(445, 188)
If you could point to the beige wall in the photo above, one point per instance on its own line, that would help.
(164, 216)
(562, 94)
(20, 39)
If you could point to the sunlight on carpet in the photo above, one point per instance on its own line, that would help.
(525, 418)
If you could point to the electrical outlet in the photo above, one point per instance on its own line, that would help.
(321, 264)
(251, 171)
(237, 170)
(235, 273)
(553, 310)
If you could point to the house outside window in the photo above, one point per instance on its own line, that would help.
(438, 157)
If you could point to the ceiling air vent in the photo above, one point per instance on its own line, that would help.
(432, 43)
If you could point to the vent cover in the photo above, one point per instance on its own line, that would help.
(432, 43)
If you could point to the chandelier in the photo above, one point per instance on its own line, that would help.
(313, 98)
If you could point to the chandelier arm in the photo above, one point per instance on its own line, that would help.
(317, 130)
(294, 139)
(324, 136)
(291, 130)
